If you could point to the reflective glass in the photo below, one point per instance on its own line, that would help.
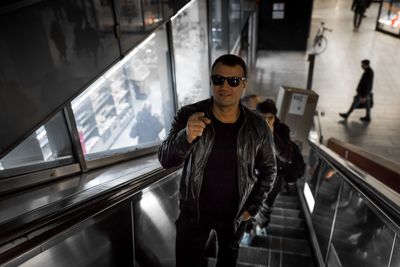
(191, 53)
(389, 17)
(138, 18)
(131, 105)
(234, 22)
(50, 143)
(49, 51)
(396, 253)
(325, 204)
(219, 29)
(360, 236)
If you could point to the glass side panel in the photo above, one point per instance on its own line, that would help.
(389, 18)
(325, 204)
(360, 236)
(131, 105)
(191, 54)
(396, 253)
(50, 143)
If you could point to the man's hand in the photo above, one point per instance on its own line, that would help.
(196, 125)
(363, 100)
(246, 216)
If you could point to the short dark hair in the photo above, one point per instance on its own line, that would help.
(267, 106)
(230, 60)
(365, 62)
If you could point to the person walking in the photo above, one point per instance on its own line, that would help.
(364, 92)
(221, 144)
(359, 7)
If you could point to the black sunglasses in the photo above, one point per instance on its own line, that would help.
(232, 81)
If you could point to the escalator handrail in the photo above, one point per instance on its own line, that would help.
(382, 197)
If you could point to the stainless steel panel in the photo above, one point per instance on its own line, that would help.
(361, 237)
(104, 240)
(66, 192)
(155, 212)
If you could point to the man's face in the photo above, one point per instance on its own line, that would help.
(226, 95)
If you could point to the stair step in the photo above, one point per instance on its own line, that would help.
(287, 231)
(286, 212)
(266, 257)
(285, 244)
(211, 262)
(287, 221)
(290, 205)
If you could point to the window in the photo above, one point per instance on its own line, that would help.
(219, 29)
(49, 144)
(131, 105)
(191, 53)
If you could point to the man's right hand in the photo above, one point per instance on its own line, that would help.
(196, 125)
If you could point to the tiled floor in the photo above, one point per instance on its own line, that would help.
(336, 75)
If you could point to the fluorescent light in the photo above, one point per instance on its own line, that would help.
(309, 197)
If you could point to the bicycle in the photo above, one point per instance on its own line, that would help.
(320, 42)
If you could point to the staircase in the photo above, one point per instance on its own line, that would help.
(286, 242)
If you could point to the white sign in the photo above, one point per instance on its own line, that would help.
(298, 104)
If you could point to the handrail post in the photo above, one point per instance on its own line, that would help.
(311, 59)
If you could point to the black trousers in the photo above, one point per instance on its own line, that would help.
(356, 104)
(191, 239)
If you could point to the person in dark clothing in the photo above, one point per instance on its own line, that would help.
(364, 90)
(147, 127)
(287, 174)
(221, 144)
(359, 7)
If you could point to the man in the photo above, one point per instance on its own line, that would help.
(251, 101)
(221, 144)
(364, 90)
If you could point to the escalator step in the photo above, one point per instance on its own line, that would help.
(287, 231)
(211, 262)
(285, 244)
(286, 212)
(287, 221)
(290, 205)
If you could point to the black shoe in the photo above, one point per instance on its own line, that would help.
(343, 115)
(365, 119)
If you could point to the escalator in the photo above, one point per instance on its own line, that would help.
(285, 242)
(124, 216)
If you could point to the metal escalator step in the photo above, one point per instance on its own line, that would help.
(286, 212)
(285, 244)
(287, 231)
(265, 257)
(211, 262)
(287, 221)
(289, 205)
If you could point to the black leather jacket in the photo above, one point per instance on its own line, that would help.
(255, 150)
